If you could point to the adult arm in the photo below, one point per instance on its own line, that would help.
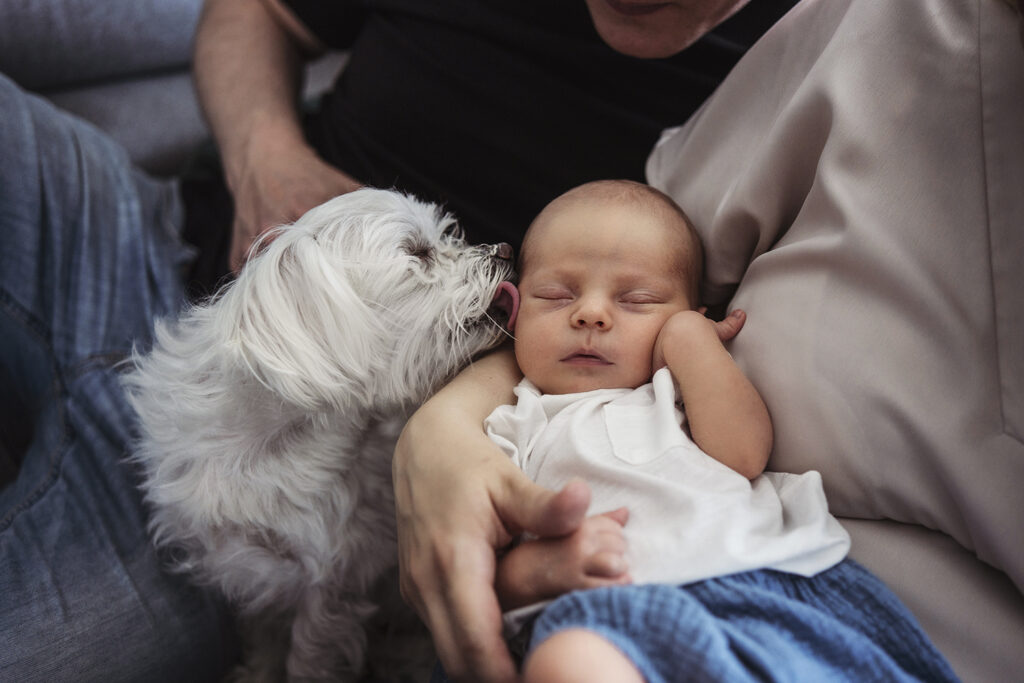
(248, 66)
(458, 499)
(727, 417)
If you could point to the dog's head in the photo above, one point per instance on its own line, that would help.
(370, 300)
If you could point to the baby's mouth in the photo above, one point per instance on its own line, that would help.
(586, 358)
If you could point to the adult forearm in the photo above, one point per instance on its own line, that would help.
(248, 74)
(458, 411)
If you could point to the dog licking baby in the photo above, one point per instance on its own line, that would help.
(268, 417)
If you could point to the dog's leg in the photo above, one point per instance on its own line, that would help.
(265, 648)
(399, 645)
(328, 636)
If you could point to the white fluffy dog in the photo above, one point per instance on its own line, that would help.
(268, 417)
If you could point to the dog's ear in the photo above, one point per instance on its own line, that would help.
(298, 326)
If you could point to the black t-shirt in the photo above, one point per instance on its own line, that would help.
(489, 107)
(494, 107)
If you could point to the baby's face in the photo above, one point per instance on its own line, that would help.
(599, 282)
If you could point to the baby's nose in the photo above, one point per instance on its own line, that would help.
(591, 316)
(592, 322)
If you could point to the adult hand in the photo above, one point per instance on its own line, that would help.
(453, 513)
(542, 569)
(248, 66)
(278, 184)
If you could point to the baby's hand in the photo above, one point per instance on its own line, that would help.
(594, 555)
(691, 326)
(731, 325)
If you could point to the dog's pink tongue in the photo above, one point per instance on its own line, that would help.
(507, 299)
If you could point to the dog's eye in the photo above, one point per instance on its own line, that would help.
(422, 252)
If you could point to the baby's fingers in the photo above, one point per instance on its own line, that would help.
(619, 515)
(731, 325)
(608, 564)
(603, 534)
(601, 582)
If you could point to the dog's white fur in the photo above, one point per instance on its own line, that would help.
(268, 417)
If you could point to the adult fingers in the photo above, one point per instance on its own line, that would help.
(523, 505)
(465, 619)
(447, 554)
(242, 241)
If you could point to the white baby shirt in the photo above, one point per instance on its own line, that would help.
(691, 517)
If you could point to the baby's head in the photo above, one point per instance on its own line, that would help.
(602, 268)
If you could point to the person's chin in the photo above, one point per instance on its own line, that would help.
(638, 38)
(582, 380)
(652, 29)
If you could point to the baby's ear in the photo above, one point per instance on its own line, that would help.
(507, 299)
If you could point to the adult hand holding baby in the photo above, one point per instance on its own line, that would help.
(485, 497)
(592, 556)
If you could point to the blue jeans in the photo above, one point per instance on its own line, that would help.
(89, 258)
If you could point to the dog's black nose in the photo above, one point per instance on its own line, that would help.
(503, 251)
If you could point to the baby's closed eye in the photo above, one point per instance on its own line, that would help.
(552, 293)
(640, 298)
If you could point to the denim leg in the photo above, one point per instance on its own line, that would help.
(89, 257)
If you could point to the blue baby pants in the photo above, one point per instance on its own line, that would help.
(841, 625)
